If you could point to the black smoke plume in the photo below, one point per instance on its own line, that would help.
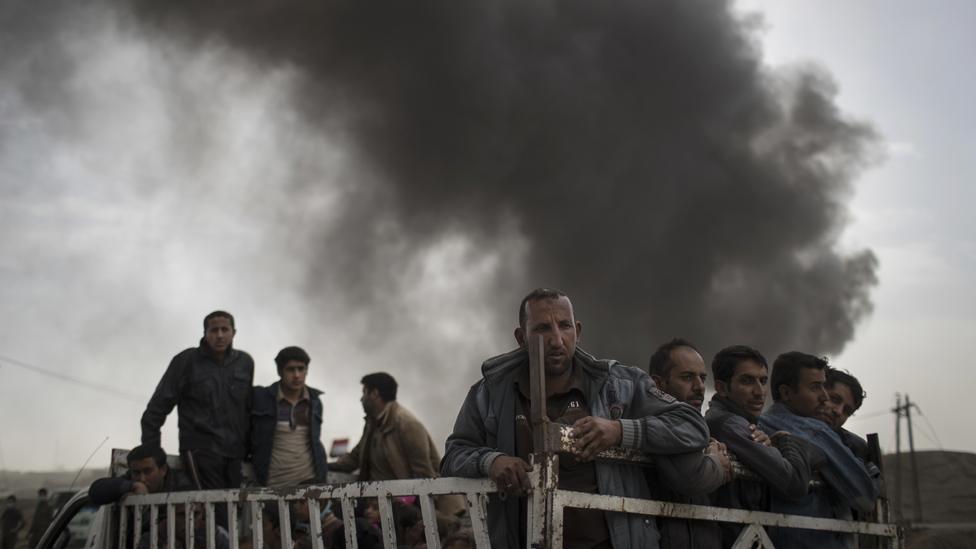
(657, 170)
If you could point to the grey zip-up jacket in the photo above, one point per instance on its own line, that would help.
(652, 422)
(214, 401)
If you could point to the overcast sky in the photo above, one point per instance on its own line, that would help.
(95, 246)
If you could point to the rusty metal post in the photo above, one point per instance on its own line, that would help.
(545, 462)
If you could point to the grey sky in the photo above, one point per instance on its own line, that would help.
(904, 66)
(106, 272)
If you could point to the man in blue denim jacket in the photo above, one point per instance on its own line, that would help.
(286, 426)
(800, 401)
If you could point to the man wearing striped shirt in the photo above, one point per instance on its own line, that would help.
(286, 426)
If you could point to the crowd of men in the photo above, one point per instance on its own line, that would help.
(804, 462)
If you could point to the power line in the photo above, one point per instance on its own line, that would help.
(57, 375)
(931, 427)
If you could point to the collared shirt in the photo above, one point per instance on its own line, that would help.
(291, 454)
(584, 528)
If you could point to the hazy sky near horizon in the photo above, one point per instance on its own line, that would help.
(120, 253)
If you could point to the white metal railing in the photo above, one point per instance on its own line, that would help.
(474, 491)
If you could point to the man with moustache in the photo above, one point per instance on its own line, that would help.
(799, 403)
(211, 384)
(741, 376)
(606, 403)
(678, 369)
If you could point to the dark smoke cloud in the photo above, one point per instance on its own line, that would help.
(660, 173)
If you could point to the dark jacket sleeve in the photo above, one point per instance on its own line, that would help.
(691, 474)
(166, 396)
(785, 468)
(109, 490)
(662, 425)
(467, 453)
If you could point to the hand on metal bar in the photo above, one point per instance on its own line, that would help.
(511, 475)
(593, 435)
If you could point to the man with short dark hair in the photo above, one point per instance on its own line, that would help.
(395, 444)
(800, 401)
(607, 405)
(40, 519)
(148, 474)
(286, 426)
(741, 376)
(211, 384)
(844, 397)
(11, 522)
(678, 369)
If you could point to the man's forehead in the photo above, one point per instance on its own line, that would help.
(144, 463)
(751, 367)
(686, 359)
(219, 321)
(538, 309)
(813, 374)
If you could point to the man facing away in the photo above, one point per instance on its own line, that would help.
(800, 400)
(741, 376)
(395, 444)
(286, 426)
(211, 384)
(679, 370)
(607, 404)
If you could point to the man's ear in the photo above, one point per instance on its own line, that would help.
(579, 331)
(520, 336)
(721, 388)
(658, 380)
(164, 469)
(785, 392)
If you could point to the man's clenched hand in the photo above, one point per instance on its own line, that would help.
(511, 475)
(595, 434)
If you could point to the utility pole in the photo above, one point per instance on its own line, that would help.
(911, 448)
(905, 409)
(898, 475)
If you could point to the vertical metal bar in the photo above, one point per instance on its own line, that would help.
(257, 525)
(537, 382)
(123, 523)
(315, 523)
(555, 524)
(387, 523)
(535, 531)
(170, 526)
(478, 511)
(136, 525)
(232, 524)
(429, 513)
(211, 525)
(153, 526)
(190, 532)
(349, 523)
(284, 522)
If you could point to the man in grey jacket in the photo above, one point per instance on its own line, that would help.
(606, 403)
(679, 370)
(741, 377)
